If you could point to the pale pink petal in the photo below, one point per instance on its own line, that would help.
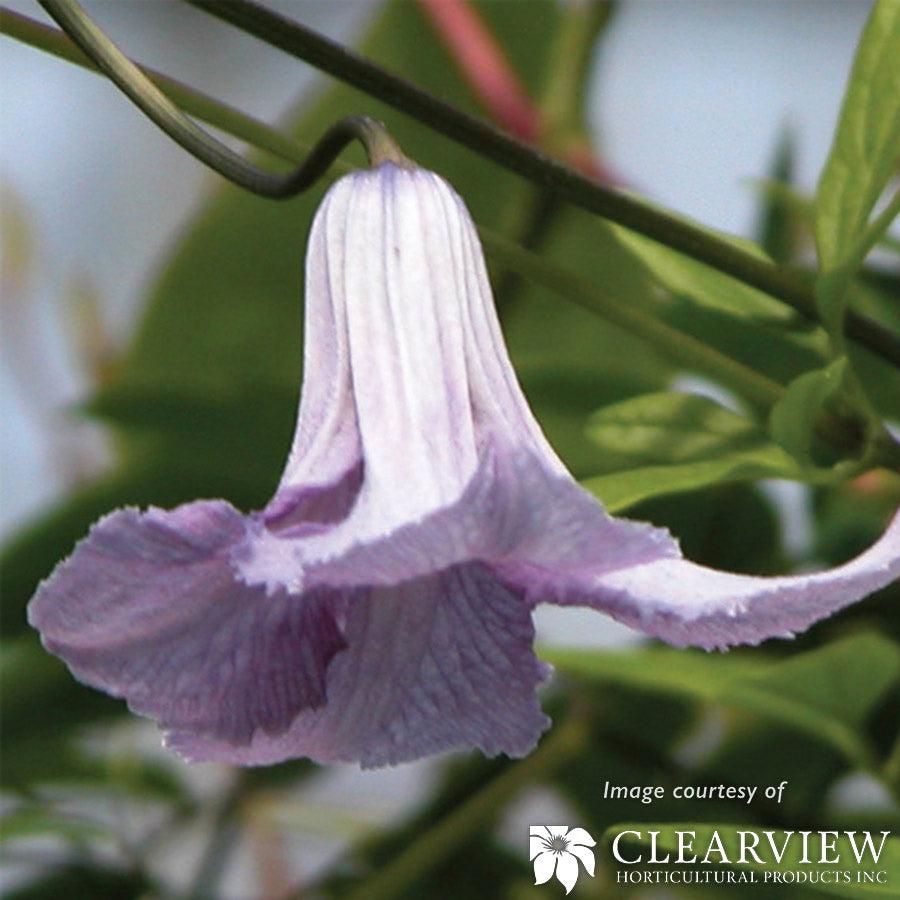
(420, 517)
(406, 373)
(515, 508)
(689, 605)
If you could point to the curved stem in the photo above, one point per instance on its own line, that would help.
(863, 330)
(506, 150)
(675, 344)
(671, 341)
(161, 110)
(502, 148)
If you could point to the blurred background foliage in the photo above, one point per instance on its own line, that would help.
(201, 404)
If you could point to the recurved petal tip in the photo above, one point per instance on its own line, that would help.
(690, 605)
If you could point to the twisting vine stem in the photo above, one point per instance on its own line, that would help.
(459, 126)
(529, 162)
(669, 341)
(160, 109)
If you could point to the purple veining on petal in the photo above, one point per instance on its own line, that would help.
(148, 608)
(439, 663)
(378, 609)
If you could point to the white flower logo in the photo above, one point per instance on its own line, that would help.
(556, 849)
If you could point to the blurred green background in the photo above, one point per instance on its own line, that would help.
(190, 378)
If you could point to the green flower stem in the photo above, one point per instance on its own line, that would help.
(151, 101)
(675, 344)
(438, 842)
(527, 161)
(550, 172)
(502, 148)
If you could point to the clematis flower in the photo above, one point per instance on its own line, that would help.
(379, 608)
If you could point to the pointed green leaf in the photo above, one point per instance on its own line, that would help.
(864, 156)
(779, 223)
(679, 442)
(793, 419)
(866, 149)
(686, 277)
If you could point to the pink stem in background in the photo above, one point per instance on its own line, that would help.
(487, 70)
(484, 65)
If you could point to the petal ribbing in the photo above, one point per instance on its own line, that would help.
(378, 609)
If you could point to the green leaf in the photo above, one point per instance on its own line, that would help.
(793, 419)
(705, 286)
(725, 844)
(565, 393)
(864, 156)
(780, 224)
(679, 442)
(866, 148)
(726, 526)
(827, 692)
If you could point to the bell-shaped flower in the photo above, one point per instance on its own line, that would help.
(379, 608)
